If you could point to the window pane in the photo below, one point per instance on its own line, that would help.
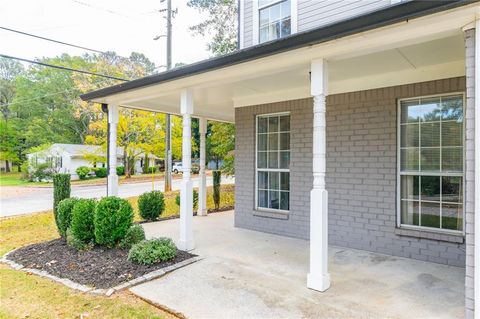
(262, 160)
(452, 108)
(273, 180)
(284, 141)
(430, 159)
(273, 142)
(262, 124)
(262, 142)
(285, 200)
(429, 110)
(275, 13)
(286, 9)
(285, 123)
(430, 135)
(286, 27)
(262, 3)
(409, 159)
(409, 187)
(284, 159)
(409, 135)
(263, 180)
(263, 199)
(452, 216)
(274, 200)
(273, 124)
(452, 159)
(409, 212)
(285, 181)
(430, 188)
(264, 34)
(409, 111)
(430, 215)
(272, 159)
(263, 20)
(452, 133)
(452, 189)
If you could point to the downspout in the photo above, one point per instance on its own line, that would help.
(105, 110)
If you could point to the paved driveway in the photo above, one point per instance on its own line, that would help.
(41, 198)
(247, 274)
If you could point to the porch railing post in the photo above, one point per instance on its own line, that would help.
(112, 183)
(318, 277)
(186, 191)
(202, 188)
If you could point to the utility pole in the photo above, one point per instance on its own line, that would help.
(168, 133)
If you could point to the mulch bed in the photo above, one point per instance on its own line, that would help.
(98, 267)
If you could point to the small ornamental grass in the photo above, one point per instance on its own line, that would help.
(81, 226)
(148, 252)
(135, 234)
(151, 205)
(64, 215)
(113, 217)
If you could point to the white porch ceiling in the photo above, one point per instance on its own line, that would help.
(422, 49)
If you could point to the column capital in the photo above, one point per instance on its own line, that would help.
(112, 113)
(319, 77)
(202, 123)
(186, 101)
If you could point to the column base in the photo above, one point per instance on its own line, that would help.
(318, 282)
(202, 212)
(112, 189)
(186, 245)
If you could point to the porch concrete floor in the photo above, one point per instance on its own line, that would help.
(248, 274)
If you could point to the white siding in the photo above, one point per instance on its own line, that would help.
(248, 23)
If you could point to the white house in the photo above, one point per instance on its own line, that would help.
(357, 124)
(66, 158)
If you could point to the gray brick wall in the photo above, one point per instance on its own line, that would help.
(361, 173)
(470, 170)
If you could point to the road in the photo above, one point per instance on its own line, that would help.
(40, 199)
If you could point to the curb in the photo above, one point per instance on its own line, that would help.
(105, 291)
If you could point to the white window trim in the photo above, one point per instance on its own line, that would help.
(242, 24)
(263, 209)
(256, 13)
(398, 173)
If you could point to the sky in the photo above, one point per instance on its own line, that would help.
(122, 26)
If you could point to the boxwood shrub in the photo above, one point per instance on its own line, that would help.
(135, 234)
(81, 225)
(100, 172)
(61, 190)
(64, 215)
(152, 251)
(195, 199)
(82, 172)
(151, 205)
(113, 217)
(120, 170)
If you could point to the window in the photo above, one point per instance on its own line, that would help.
(274, 19)
(273, 162)
(431, 162)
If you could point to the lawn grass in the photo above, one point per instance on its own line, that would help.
(12, 179)
(24, 295)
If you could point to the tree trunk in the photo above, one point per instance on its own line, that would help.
(7, 167)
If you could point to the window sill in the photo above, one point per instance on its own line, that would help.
(429, 234)
(271, 214)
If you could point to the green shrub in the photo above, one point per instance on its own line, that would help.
(82, 172)
(217, 176)
(42, 172)
(152, 251)
(152, 169)
(195, 200)
(81, 225)
(120, 170)
(151, 205)
(64, 214)
(74, 242)
(61, 190)
(135, 234)
(101, 172)
(113, 217)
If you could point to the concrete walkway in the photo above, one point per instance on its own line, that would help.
(41, 198)
(247, 274)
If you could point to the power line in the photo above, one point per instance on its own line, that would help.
(52, 40)
(62, 67)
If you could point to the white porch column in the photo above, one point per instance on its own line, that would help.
(112, 189)
(318, 277)
(202, 189)
(186, 189)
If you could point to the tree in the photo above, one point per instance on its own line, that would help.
(221, 21)
(220, 141)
